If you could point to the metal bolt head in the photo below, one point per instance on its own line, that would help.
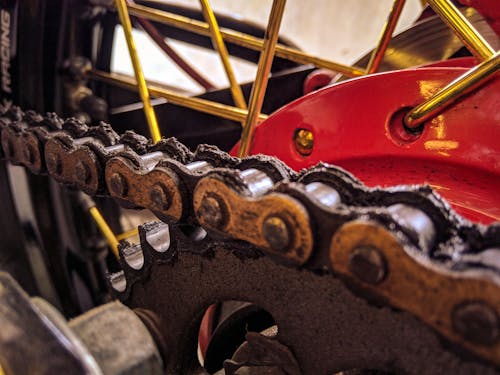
(82, 173)
(276, 233)
(160, 197)
(213, 211)
(304, 141)
(476, 322)
(368, 264)
(118, 185)
(54, 164)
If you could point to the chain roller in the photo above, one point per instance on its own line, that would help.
(403, 244)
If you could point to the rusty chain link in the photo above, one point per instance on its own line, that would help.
(403, 244)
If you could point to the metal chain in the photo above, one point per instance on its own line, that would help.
(403, 244)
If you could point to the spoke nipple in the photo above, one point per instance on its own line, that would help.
(213, 211)
(368, 264)
(118, 185)
(82, 173)
(160, 197)
(476, 322)
(54, 164)
(276, 233)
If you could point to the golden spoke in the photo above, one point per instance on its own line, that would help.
(453, 91)
(262, 76)
(218, 43)
(202, 105)
(105, 229)
(463, 28)
(127, 234)
(241, 39)
(385, 37)
(139, 75)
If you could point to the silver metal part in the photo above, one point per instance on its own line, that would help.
(159, 238)
(115, 148)
(134, 256)
(118, 281)
(118, 340)
(428, 41)
(417, 222)
(150, 160)
(324, 194)
(257, 181)
(198, 166)
(487, 258)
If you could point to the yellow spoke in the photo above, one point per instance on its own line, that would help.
(139, 75)
(105, 230)
(241, 39)
(385, 37)
(262, 76)
(463, 28)
(218, 43)
(459, 87)
(127, 234)
(197, 104)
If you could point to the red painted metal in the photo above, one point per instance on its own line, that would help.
(206, 329)
(458, 62)
(357, 125)
(318, 79)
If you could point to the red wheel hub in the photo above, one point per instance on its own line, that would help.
(358, 125)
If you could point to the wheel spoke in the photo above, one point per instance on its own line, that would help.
(262, 76)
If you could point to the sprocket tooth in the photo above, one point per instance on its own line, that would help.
(118, 285)
(156, 242)
(133, 262)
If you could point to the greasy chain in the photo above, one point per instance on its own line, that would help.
(403, 244)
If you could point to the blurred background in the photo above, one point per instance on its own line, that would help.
(338, 30)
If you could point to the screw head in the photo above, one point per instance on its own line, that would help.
(54, 164)
(82, 173)
(160, 197)
(476, 322)
(213, 211)
(304, 141)
(368, 264)
(276, 233)
(118, 184)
